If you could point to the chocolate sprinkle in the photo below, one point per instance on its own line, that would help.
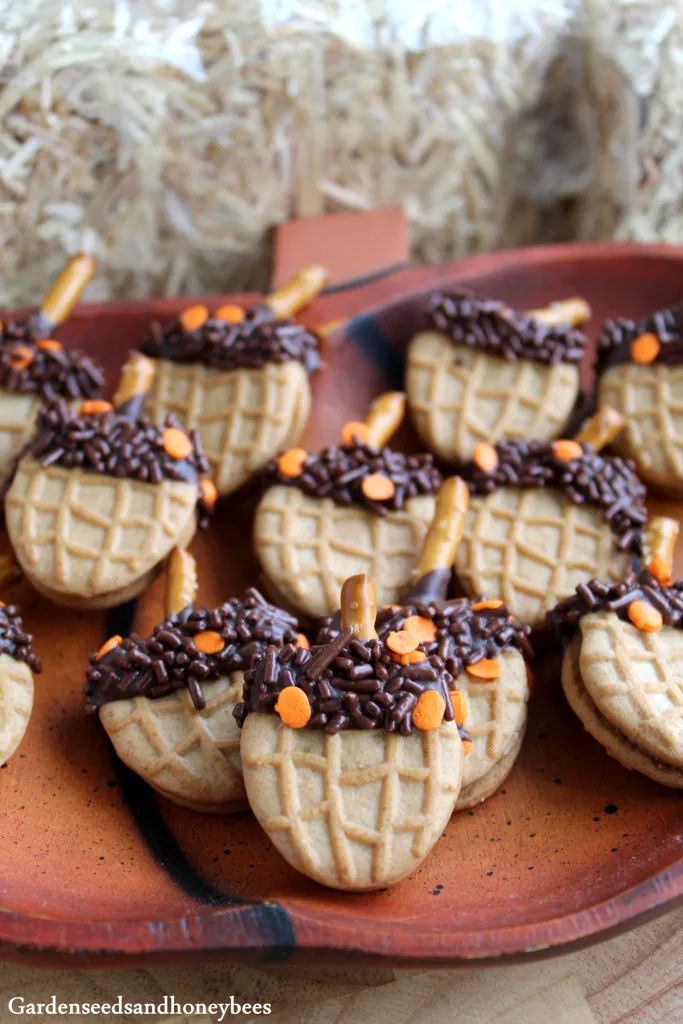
(597, 596)
(168, 660)
(256, 340)
(606, 481)
(338, 473)
(614, 346)
(463, 635)
(494, 327)
(51, 373)
(14, 641)
(111, 444)
(350, 684)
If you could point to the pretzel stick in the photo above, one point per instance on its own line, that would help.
(602, 428)
(563, 313)
(661, 534)
(134, 383)
(445, 530)
(385, 416)
(298, 292)
(181, 581)
(359, 606)
(64, 293)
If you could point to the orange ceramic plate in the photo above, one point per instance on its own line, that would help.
(95, 868)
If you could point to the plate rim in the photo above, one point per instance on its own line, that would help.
(239, 932)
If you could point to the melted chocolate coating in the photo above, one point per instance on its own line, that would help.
(258, 339)
(494, 327)
(50, 373)
(168, 660)
(338, 473)
(597, 596)
(113, 445)
(614, 346)
(350, 684)
(14, 641)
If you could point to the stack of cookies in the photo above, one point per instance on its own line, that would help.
(381, 681)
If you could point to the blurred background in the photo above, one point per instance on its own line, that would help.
(170, 136)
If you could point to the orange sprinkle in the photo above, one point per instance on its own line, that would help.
(660, 570)
(408, 659)
(50, 345)
(94, 406)
(21, 356)
(459, 706)
(108, 645)
(378, 487)
(303, 641)
(176, 443)
(208, 492)
(428, 712)
(293, 708)
(291, 463)
(567, 450)
(644, 616)
(423, 628)
(485, 668)
(645, 348)
(402, 641)
(193, 317)
(355, 430)
(485, 457)
(467, 747)
(484, 606)
(208, 642)
(229, 314)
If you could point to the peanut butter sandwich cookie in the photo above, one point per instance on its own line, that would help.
(352, 508)
(239, 377)
(352, 758)
(167, 701)
(544, 517)
(641, 375)
(101, 496)
(35, 368)
(18, 662)
(483, 647)
(622, 671)
(482, 372)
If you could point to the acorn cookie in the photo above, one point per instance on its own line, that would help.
(622, 672)
(34, 367)
(18, 662)
(482, 372)
(167, 701)
(355, 507)
(544, 517)
(352, 758)
(481, 644)
(641, 375)
(101, 496)
(240, 378)
(483, 647)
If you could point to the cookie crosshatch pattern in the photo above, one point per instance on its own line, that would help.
(191, 756)
(309, 546)
(530, 548)
(79, 531)
(243, 416)
(346, 807)
(651, 400)
(459, 396)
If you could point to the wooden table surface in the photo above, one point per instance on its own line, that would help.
(634, 978)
